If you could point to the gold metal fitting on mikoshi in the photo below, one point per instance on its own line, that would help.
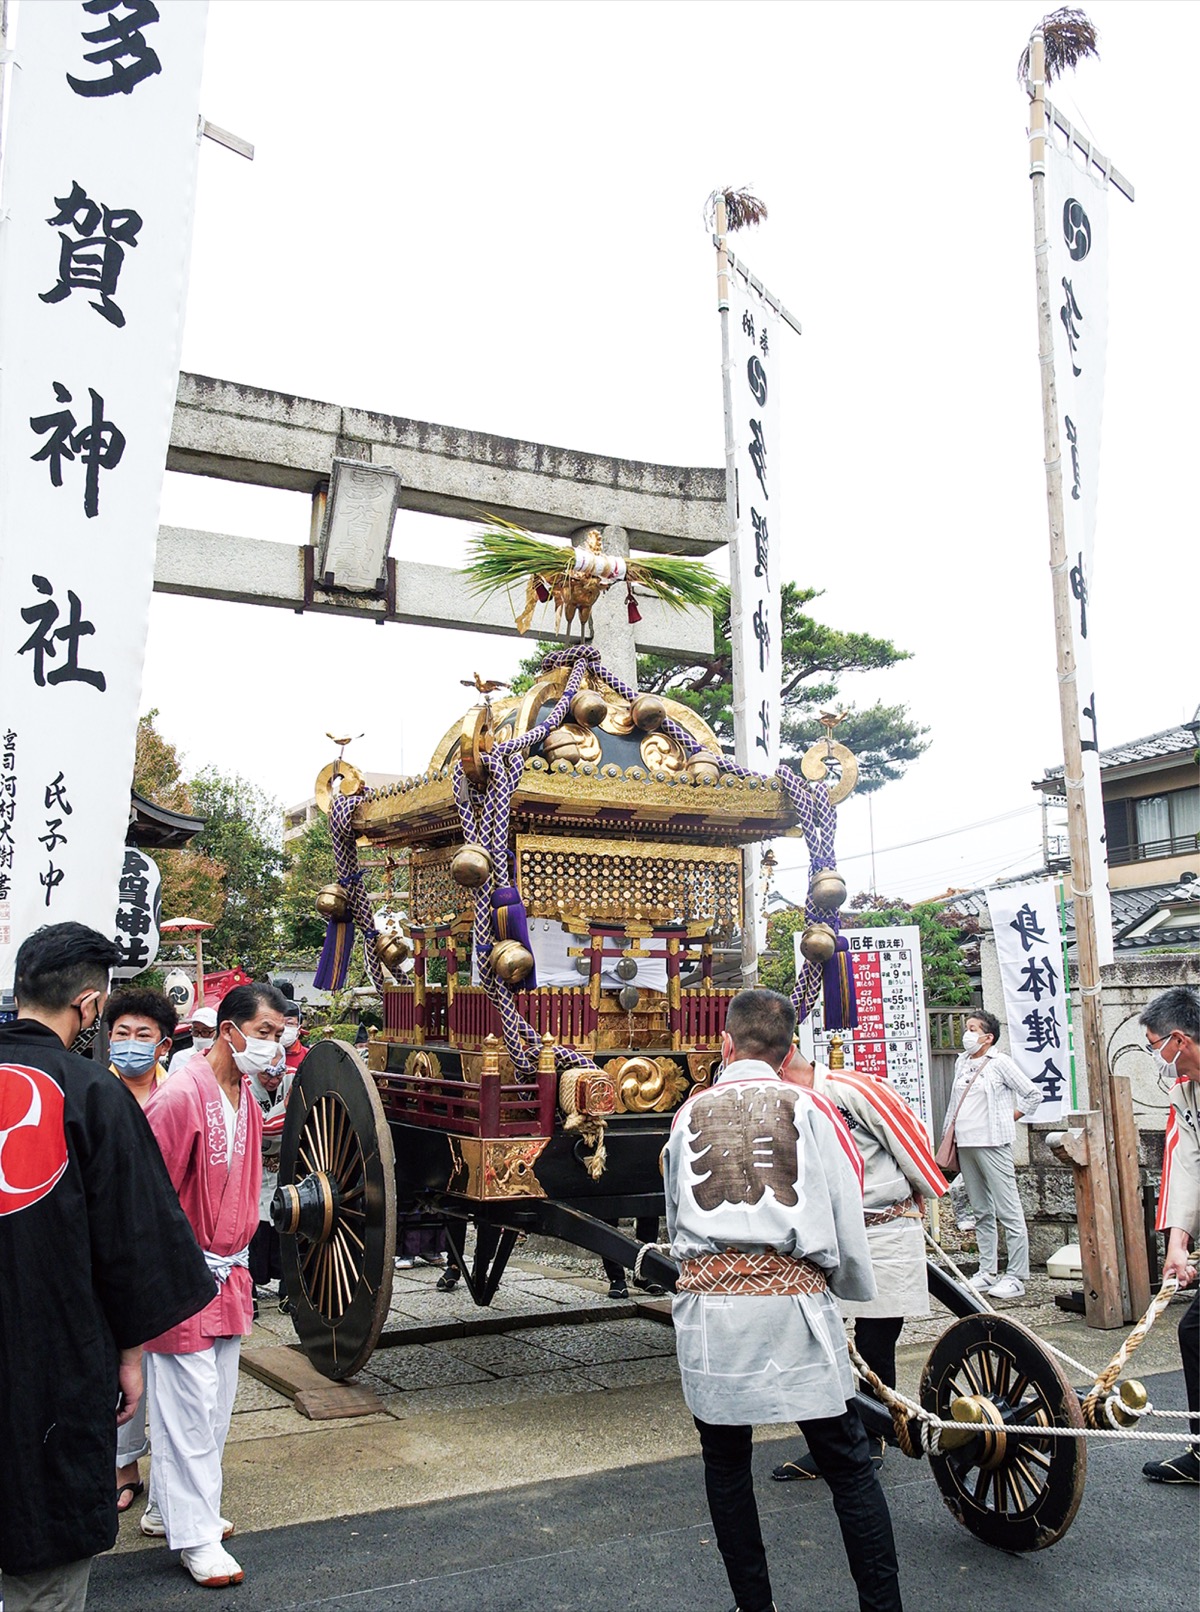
(814, 765)
(828, 889)
(333, 902)
(560, 745)
(648, 712)
(511, 961)
(350, 782)
(392, 950)
(589, 708)
(818, 943)
(471, 866)
(704, 766)
(1123, 1407)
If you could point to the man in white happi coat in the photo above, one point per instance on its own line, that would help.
(899, 1173)
(210, 1131)
(764, 1212)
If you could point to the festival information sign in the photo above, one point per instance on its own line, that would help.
(1029, 948)
(99, 185)
(1077, 235)
(754, 330)
(890, 1039)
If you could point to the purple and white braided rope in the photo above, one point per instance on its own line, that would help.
(349, 876)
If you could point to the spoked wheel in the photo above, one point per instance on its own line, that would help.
(335, 1209)
(1011, 1488)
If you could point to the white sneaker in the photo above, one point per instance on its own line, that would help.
(967, 1223)
(1008, 1287)
(983, 1281)
(404, 1264)
(212, 1566)
(153, 1526)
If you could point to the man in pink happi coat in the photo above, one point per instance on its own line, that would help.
(210, 1131)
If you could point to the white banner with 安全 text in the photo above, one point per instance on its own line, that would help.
(1077, 235)
(99, 186)
(756, 581)
(1029, 948)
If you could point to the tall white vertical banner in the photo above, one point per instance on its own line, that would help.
(98, 197)
(1077, 234)
(1029, 949)
(754, 330)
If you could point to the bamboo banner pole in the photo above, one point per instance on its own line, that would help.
(1106, 1286)
(741, 736)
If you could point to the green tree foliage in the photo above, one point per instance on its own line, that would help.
(885, 738)
(947, 983)
(193, 884)
(241, 832)
(309, 866)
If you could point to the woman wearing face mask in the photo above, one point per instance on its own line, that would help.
(204, 1033)
(210, 1131)
(140, 1025)
(988, 1096)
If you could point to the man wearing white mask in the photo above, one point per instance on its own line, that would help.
(204, 1033)
(210, 1131)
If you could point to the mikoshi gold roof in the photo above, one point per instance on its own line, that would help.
(626, 783)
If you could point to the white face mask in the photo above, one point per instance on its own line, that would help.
(258, 1056)
(1164, 1066)
(972, 1040)
(201, 1043)
(291, 1034)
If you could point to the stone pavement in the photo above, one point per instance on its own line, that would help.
(479, 1412)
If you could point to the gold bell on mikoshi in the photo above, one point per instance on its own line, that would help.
(589, 708)
(471, 866)
(560, 744)
(827, 889)
(333, 902)
(704, 767)
(392, 950)
(512, 961)
(818, 943)
(648, 712)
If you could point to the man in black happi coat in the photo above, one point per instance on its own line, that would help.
(95, 1257)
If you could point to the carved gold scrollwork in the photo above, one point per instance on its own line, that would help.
(660, 753)
(647, 1085)
(618, 720)
(423, 1066)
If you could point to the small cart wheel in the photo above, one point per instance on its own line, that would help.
(335, 1209)
(1011, 1488)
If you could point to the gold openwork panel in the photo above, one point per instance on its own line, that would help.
(615, 881)
(433, 894)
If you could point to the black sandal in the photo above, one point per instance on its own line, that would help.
(133, 1490)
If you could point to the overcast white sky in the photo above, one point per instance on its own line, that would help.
(489, 215)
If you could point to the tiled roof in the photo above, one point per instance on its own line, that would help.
(1129, 908)
(1167, 743)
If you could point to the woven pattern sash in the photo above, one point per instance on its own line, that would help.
(737, 1272)
(904, 1210)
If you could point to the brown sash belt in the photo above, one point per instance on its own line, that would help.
(737, 1272)
(904, 1210)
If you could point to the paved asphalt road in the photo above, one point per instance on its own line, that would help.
(638, 1540)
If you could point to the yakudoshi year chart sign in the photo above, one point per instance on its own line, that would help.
(890, 1039)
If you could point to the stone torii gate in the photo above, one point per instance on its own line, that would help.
(270, 439)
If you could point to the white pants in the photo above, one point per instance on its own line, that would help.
(191, 1401)
(992, 1183)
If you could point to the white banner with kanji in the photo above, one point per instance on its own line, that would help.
(1077, 235)
(1029, 948)
(754, 346)
(890, 1039)
(99, 188)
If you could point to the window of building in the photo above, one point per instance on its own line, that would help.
(1155, 825)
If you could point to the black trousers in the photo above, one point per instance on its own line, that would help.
(844, 1455)
(1189, 1348)
(875, 1339)
(645, 1229)
(266, 1262)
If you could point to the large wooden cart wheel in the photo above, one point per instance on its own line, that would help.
(1011, 1488)
(335, 1209)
